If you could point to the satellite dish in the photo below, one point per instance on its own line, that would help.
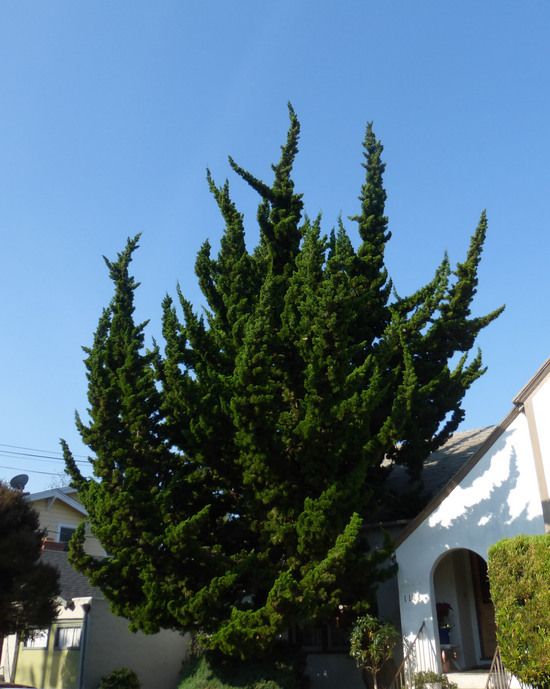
(19, 482)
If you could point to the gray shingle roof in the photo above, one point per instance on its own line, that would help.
(411, 496)
(443, 464)
(73, 584)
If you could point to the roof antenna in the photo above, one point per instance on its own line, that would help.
(19, 482)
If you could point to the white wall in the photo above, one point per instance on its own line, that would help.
(498, 498)
(7, 658)
(541, 408)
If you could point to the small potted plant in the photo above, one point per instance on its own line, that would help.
(371, 644)
(444, 622)
(431, 680)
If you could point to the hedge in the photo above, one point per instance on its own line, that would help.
(519, 575)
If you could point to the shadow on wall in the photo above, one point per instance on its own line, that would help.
(68, 670)
(333, 671)
(37, 673)
(57, 670)
(420, 651)
(500, 496)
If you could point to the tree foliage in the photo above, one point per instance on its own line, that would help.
(372, 643)
(429, 679)
(283, 668)
(122, 678)
(518, 573)
(28, 587)
(234, 469)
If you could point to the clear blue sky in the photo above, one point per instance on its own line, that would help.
(111, 111)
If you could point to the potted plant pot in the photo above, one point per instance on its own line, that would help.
(444, 635)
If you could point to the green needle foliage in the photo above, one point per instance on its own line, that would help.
(282, 668)
(234, 469)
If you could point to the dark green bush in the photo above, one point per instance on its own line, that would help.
(123, 678)
(519, 574)
(283, 669)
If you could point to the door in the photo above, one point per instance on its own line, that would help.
(484, 607)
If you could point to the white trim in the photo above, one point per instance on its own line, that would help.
(58, 494)
(59, 645)
(42, 641)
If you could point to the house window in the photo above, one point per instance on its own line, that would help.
(38, 640)
(65, 533)
(67, 637)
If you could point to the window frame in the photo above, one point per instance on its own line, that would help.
(65, 526)
(66, 647)
(29, 644)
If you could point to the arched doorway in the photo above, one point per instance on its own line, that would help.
(460, 580)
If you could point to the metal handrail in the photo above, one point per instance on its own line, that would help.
(395, 684)
(499, 677)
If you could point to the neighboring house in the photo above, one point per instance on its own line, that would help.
(499, 489)
(60, 513)
(86, 641)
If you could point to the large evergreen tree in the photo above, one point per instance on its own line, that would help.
(28, 587)
(233, 470)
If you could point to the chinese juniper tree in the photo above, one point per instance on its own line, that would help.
(234, 469)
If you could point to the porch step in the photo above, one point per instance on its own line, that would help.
(471, 679)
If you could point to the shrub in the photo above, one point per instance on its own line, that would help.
(423, 679)
(520, 588)
(123, 678)
(283, 669)
(372, 643)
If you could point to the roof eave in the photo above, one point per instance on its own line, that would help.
(55, 494)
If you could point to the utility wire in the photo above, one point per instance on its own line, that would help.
(38, 458)
(34, 455)
(33, 449)
(31, 471)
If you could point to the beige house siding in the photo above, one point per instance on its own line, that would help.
(156, 658)
(105, 641)
(49, 668)
(105, 645)
(53, 667)
(55, 513)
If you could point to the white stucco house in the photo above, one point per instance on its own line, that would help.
(499, 488)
